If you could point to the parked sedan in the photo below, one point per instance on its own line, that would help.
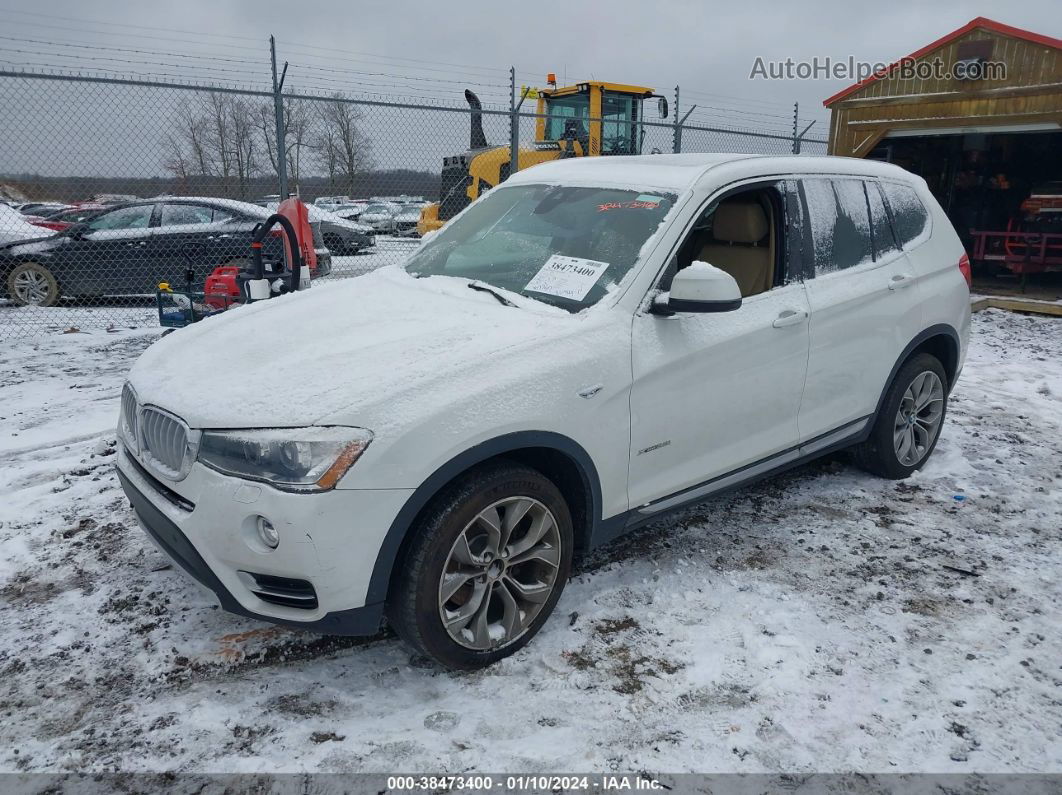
(352, 209)
(130, 248)
(380, 216)
(406, 220)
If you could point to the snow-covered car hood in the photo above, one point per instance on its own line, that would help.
(14, 228)
(373, 351)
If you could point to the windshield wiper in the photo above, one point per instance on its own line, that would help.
(483, 288)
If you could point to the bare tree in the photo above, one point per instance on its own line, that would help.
(219, 134)
(176, 157)
(214, 138)
(350, 147)
(185, 147)
(326, 146)
(244, 142)
(297, 135)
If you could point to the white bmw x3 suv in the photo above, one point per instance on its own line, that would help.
(590, 345)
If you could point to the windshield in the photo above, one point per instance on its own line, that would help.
(559, 245)
(571, 113)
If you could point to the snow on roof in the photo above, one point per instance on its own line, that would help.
(669, 172)
(247, 208)
(677, 173)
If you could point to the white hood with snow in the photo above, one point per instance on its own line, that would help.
(358, 352)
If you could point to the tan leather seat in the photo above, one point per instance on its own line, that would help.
(737, 230)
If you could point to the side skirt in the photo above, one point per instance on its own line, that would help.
(847, 435)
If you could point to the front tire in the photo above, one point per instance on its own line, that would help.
(32, 284)
(908, 426)
(488, 563)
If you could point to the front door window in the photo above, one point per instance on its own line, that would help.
(123, 218)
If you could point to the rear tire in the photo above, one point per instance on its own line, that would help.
(32, 284)
(908, 427)
(486, 567)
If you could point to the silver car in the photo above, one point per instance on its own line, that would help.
(380, 216)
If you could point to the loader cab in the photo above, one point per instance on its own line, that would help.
(585, 119)
(592, 118)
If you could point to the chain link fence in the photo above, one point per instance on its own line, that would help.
(123, 184)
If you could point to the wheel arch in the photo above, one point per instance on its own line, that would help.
(942, 341)
(558, 457)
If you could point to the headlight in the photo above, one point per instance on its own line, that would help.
(293, 459)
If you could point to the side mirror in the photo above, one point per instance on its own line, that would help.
(700, 288)
(661, 106)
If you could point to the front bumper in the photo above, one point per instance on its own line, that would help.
(329, 540)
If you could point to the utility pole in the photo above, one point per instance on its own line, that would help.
(278, 111)
(796, 116)
(798, 137)
(514, 121)
(514, 125)
(677, 145)
(676, 135)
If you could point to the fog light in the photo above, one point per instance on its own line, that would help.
(268, 534)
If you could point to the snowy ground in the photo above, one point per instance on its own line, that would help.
(820, 621)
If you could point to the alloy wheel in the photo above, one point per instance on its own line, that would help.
(31, 287)
(500, 571)
(918, 418)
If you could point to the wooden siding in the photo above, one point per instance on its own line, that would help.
(1031, 93)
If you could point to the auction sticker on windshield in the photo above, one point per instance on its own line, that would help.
(567, 277)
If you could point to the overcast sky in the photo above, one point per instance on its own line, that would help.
(434, 49)
(706, 46)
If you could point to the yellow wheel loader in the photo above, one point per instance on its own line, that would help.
(585, 119)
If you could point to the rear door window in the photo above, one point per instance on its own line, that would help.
(840, 223)
(880, 226)
(183, 214)
(909, 215)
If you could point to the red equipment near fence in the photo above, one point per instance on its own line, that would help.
(220, 291)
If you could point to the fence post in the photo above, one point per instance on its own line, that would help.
(514, 125)
(796, 116)
(278, 111)
(676, 136)
(798, 137)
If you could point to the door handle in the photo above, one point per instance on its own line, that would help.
(901, 280)
(135, 244)
(790, 317)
